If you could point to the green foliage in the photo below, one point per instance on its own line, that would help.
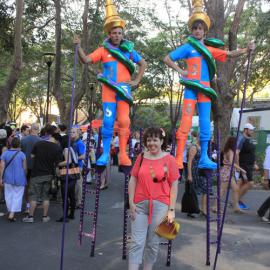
(149, 115)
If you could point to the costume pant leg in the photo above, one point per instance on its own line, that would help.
(185, 125)
(204, 109)
(109, 111)
(123, 131)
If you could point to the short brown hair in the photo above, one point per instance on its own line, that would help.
(199, 22)
(155, 132)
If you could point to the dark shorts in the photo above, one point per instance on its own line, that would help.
(28, 176)
(40, 188)
(249, 170)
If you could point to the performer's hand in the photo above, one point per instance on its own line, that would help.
(183, 73)
(189, 179)
(132, 209)
(171, 216)
(251, 46)
(133, 83)
(77, 40)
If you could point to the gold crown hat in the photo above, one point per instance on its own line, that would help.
(112, 18)
(198, 14)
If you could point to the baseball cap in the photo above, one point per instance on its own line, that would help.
(249, 126)
(3, 133)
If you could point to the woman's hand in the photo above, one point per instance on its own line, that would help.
(132, 209)
(189, 179)
(171, 216)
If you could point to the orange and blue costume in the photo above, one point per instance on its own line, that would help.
(198, 71)
(116, 73)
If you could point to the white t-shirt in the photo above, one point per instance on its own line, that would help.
(266, 164)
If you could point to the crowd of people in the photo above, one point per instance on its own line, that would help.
(33, 159)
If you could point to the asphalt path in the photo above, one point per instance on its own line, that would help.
(37, 246)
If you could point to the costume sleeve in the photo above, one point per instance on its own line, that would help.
(135, 57)
(173, 170)
(180, 53)
(218, 54)
(136, 167)
(96, 55)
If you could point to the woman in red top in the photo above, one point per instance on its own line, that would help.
(153, 190)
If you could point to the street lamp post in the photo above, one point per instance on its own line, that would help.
(48, 59)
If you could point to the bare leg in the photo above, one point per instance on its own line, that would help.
(11, 215)
(244, 188)
(147, 266)
(33, 205)
(204, 198)
(235, 196)
(45, 208)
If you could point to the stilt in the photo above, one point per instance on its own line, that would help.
(96, 192)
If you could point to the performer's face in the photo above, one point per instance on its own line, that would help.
(198, 32)
(154, 144)
(116, 36)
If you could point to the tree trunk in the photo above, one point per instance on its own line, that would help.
(57, 91)
(7, 88)
(222, 109)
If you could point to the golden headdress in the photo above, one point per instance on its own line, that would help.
(112, 18)
(198, 14)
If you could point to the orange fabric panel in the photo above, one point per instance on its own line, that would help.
(194, 65)
(218, 54)
(202, 98)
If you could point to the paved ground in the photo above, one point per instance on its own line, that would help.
(36, 246)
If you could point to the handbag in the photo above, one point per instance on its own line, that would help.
(190, 202)
(167, 230)
(73, 169)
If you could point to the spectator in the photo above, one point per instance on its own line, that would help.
(199, 181)
(3, 147)
(63, 134)
(227, 159)
(79, 149)
(24, 131)
(12, 174)
(71, 201)
(46, 154)
(153, 190)
(266, 205)
(247, 160)
(27, 144)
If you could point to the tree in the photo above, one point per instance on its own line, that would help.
(15, 69)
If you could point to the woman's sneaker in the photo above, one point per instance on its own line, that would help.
(265, 219)
(28, 219)
(45, 219)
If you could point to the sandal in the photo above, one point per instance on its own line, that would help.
(12, 219)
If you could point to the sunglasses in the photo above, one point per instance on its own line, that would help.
(153, 174)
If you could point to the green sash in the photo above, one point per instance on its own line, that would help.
(213, 42)
(126, 46)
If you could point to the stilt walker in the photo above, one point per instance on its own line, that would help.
(200, 54)
(118, 57)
